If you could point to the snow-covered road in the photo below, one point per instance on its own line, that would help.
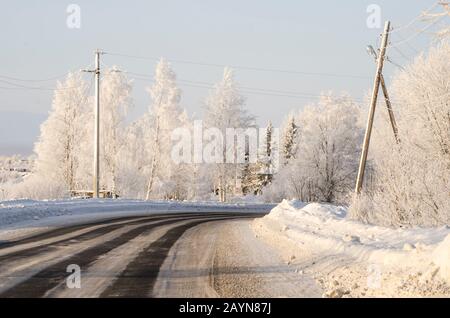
(225, 259)
(159, 255)
(185, 249)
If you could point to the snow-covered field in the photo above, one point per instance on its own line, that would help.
(19, 217)
(352, 259)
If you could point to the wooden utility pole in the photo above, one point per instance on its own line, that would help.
(96, 174)
(389, 108)
(97, 126)
(373, 103)
(372, 52)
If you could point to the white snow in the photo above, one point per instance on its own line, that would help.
(382, 261)
(441, 257)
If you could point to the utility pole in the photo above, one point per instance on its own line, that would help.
(389, 108)
(373, 103)
(97, 126)
(372, 52)
(96, 174)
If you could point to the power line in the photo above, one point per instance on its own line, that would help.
(254, 90)
(414, 20)
(38, 80)
(244, 92)
(417, 33)
(402, 54)
(19, 86)
(416, 51)
(32, 80)
(249, 68)
(26, 87)
(388, 59)
(244, 89)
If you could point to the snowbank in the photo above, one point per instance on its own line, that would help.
(441, 257)
(356, 259)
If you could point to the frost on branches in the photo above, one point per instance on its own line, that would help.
(289, 146)
(224, 108)
(412, 178)
(327, 141)
(57, 164)
(155, 175)
(256, 176)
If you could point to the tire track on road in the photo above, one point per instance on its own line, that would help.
(51, 233)
(139, 277)
(96, 232)
(48, 234)
(48, 278)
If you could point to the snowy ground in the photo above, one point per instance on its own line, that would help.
(351, 259)
(297, 250)
(232, 263)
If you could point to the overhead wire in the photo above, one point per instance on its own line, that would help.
(250, 68)
(243, 89)
(18, 86)
(414, 20)
(413, 36)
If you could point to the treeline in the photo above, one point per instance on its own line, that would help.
(313, 157)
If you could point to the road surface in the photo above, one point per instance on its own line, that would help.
(160, 255)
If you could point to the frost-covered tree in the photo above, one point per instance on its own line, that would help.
(115, 101)
(268, 140)
(248, 176)
(57, 149)
(256, 175)
(261, 173)
(412, 178)
(434, 17)
(224, 108)
(135, 158)
(164, 176)
(329, 145)
(325, 165)
(289, 141)
(13, 171)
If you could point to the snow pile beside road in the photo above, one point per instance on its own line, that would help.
(349, 258)
(441, 257)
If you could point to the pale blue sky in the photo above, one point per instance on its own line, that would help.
(305, 36)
